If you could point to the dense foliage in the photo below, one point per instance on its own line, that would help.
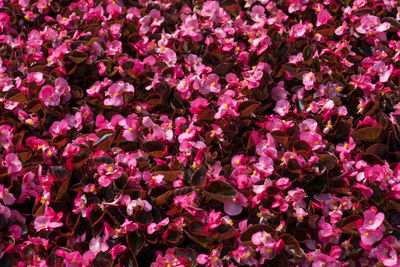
(190, 132)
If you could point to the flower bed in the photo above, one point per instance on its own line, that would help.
(214, 133)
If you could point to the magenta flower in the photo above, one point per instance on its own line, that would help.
(372, 220)
(387, 254)
(245, 255)
(282, 107)
(152, 227)
(235, 206)
(370, 237)
(7, 197)
(295, 5)
(315, 140)
(265, 165)
(346, 147)
(48, 96)
(309, 80)
(36, 77)
(116, 250)
(130, 124)
(59, 127)
(45, 223)
(13, 164)
(108, 173)
(340, 30)
(191, 28)
(323, 15)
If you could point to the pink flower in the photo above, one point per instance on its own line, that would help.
(130, 124)
(308, 125)
(6, 136)
(396, 191)
(43, 222)
(266, 245)
(36, 77)
(298, 30)
(346, 147)
(235, 206)
(370, 237)
(282, 107)
(152, 227)
(98, 244)
(245, 255)
(265, 165)
(154, 180)
(313, 139)
(323, 15)
(372, 221)
(116, 250)
(7, 197)
(198, 104)
(108, 173)
(48, 96)
(387, 254)
(73, 259)
(309, 80)
(257, 13)
(339, 30)
(13, 163)
(296, 5)
(59, 127)
(190, 28)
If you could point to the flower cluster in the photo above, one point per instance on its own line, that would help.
(212, 133)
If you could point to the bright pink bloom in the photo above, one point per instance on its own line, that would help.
(282, 107)
(43, 222)
(48, 96)
(13, 163)
(309, 80)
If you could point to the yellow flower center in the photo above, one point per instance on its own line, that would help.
(366, 234)
(225, 105)
(215, 259)
(73, 261)
(316, 143)
(110, 169)
(269, 250)
(130, 129)
(191, 28)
